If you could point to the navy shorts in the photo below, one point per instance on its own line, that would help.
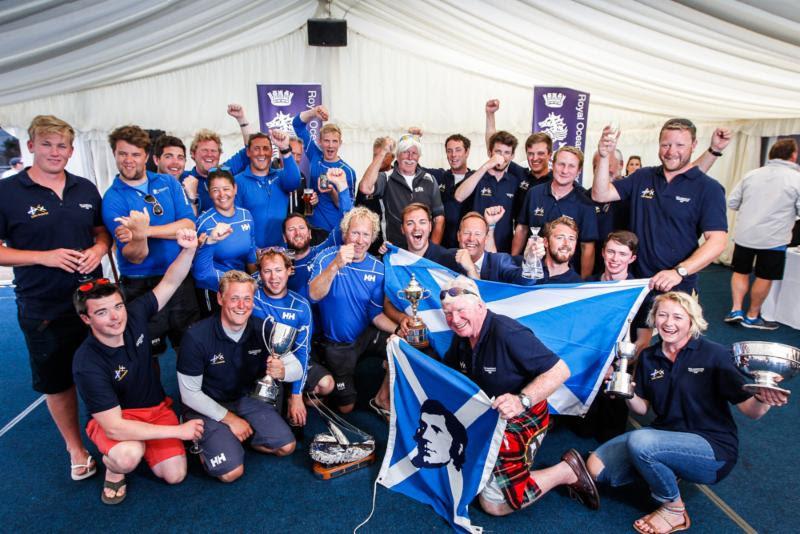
(342, 358)
(769, 263)
(51, 346)
(222, 452)
(315, 372)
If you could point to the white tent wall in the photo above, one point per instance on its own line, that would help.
(175, 65)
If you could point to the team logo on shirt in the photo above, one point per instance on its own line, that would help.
(289, 316)
(648, 193)
(657, 374)
(120, 373)
(157, 191)
(140, 340)
(538, 212)
(442, 188)
(369, 277)
(340, 386)
(695, 370)
(254, 352)
(524, 185)
(510, 195)
(486, 192)
(419, 189)
(86, 206)
(489, 370)
(682, 200)
(463, 366)
(246, 227)
(37, 211)
(218, 359)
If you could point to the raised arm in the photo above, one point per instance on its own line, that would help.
(602, 188)
(319, 286)
(719, 140)
(467, 186)
(370, 177)
(491, 128)
(177, 272)
(237, 112)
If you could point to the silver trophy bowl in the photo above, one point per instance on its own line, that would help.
(621, 383)
(768, 363)
(281, 339)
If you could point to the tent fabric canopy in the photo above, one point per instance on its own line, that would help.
(176, 64)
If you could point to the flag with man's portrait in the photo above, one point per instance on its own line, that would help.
(581, 323)
(444, 435)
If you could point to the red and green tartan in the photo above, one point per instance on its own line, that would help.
(523, 437)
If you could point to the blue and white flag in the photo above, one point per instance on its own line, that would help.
(581, 323)
(444, 435)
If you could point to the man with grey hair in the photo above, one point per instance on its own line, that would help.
(407, 182)
(347, 285)
(509, 363)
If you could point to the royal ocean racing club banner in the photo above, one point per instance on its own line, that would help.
(279, 103)
(563, 114)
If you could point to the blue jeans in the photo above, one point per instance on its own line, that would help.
(658, 456)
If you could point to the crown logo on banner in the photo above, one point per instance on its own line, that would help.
(280, 97)
(554, 100)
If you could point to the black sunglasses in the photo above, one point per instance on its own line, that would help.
(455, 291)
(157, 209)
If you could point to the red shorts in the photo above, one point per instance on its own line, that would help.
(155, 450)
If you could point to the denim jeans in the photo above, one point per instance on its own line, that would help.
(658, 456)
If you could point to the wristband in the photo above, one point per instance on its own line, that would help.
(491, 226)
(397, 330)
(714, 152)
(285, 151)
(244, 124)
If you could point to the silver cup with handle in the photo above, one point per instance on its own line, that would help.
(767, 363)
(621, 383)
(281, 339)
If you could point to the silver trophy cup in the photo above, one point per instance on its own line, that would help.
(621, 383)
(768, 363)
(280, 344)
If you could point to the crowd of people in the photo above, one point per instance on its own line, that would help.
(213, 259)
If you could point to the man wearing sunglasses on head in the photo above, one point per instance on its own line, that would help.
(144, 211)
(131, 418)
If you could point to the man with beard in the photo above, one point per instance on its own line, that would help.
(347, 284)
(562, 196)
(144, 211)
(406, 183)
(492, 185)
(169, 155)
(264, 190)
(560, 239)
(671, 206)
(322, 157)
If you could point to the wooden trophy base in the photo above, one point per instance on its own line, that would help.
(327, 472)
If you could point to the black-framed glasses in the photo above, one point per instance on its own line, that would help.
(153, 201)
(455, 291)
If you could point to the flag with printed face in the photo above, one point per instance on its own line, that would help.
(444, 435)
(581, 323)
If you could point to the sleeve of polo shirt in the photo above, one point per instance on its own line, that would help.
(252, 257)
(714, 216)
(309, 145)
(375, 305)
(238, 162)
(516, 170)
(529, 352)
(97, 202)
(205, 274)
(290, 175)
(380, 185)
(436, 199)
(183, 209)
(95, 388)
(114, 206)
(144, 306)
(320, 262)
(302, 346)
(587, 226)
(523, 217)
(437, 174)
(345, 204)
(728, 377)
(624, 186)
(190, 356)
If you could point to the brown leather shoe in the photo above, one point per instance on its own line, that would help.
(584, 490)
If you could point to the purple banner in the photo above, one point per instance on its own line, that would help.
(561, 113)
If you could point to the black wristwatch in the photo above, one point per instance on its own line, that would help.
(682, 272)
(525, 400)
(714, 152)
(284, 151)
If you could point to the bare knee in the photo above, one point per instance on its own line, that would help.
(345, 408)
(594, 465)
(286, 450)
(174, 474)
(232, 475)
(493, 508)
(324, 386)
(125, 456)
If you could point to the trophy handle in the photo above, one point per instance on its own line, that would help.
(425, 294)
(400, 294)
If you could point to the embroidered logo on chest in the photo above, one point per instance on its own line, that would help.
(682, 200)
(419, 189)
(246, 227)
(657, 374)
(486, 192)
(510, 195)
(442, 188)
(140, 340)
(648, 193)
(524, 185)
(85, 206)
(289, 316)
(369, 278)
(120, 373)
(695, 370)
(217, 359)
(37, 211)
(254, 352)
(490, 370)
(538, 212)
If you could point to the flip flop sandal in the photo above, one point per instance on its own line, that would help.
(382, 412)
(90, 466)
(663, 514)
(115, 487)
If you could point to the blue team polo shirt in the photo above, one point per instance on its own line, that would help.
(33, 217)
(491, 192)
(694, 393)
(669, 218)
(326, 214)
(298, 281)
(120, 376)
(235, 164)
(541, 207)
(239, 248)
(267, 199)
(355, 297)
(121, 198)
(507, 358)
(229, 368)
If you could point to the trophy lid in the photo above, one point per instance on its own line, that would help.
(413, 287)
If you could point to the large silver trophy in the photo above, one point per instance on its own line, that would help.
(417, 332)
(280, 344)
(621, 383)
(768, 363)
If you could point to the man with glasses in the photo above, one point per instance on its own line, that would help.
(132, 417)
(52, 234)
(406, 183)
(145, 210)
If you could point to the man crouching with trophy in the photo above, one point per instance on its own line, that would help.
(221, 359)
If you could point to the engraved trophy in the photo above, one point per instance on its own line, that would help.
(621, 383)
(768, 363)
(417, 332)
(280, 344)
(531, 263)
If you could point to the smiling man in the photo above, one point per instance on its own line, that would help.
(169, 155)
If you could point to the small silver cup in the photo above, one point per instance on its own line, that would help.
(621, 383)
(280, 344)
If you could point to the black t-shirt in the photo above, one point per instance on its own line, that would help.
(33, 217)
(120, 376)
(229, 368)
(694, 394)
(507, 357)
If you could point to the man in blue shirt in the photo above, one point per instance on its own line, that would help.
(321, 157)
(492, 185)
(144, 210)
(131, 416)
(347, 284)
(52, 233)
(169, 155)
(562, 196)
(671, 206)
(219, 363)
(263, 190)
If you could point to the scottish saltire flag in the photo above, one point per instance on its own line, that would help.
(443, 435)
(579, 322)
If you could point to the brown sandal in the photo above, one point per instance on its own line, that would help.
(664, 512)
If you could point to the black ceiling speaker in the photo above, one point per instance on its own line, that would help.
(327, 32)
